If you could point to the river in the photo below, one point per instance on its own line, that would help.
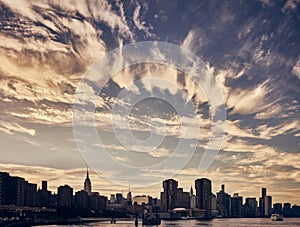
(219, 222)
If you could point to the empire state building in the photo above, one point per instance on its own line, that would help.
(87, 183)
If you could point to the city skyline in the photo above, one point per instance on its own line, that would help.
(174, 203)
(53, 188)
(249, 52)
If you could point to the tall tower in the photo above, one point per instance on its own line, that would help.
(169, 195)
(203, 194)
(223, 202)
(87, 183)
(262, 201)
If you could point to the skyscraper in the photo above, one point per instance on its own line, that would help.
(30, 194)
(263, 192)
(17, 191)
(223, 202)
(183, 198)
(82, 199)
(203, 195)
(236, 205)
(268, 205)
(87, 183)
(65, 196)
(265, 203)
(262, 202)
(44, 185)
(4, 188)
(44, 195)
(250, 207)
(277, 208)
(169, 195)
(287, 212)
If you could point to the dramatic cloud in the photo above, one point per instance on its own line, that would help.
(250, 53)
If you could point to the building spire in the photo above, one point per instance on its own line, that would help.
(87, 172)
(87, 182)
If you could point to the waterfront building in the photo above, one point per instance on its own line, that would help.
(65, 196)
(287, 211)
(236, 205)
(203, 195)
(16, 192)
(277, 208)
(183, 199)
(268, 205)
(214, 211)
(262, 202)
(82, 199)
(250, 207)
(44, 196)
(30, 194)
(223, 202)
(169, 195)
(4, 188)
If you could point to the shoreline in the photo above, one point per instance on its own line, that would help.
(37, 222)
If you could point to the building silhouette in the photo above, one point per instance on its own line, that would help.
(265, 203)
(287, 211)
(65, 196)
(30, 194)
(169, 195)
(4, 188)
(203, 195)
(87, 183)
(223, 202)
(19, 194)
(268, 205)
(82, 199)
(214, 211)
(98, 202)
(236, 205)
(262, 201)
(250, 207)
(183, 199)
(277, 208)
(296, 211)
(119, 197)
(44, 195)
(16, 193)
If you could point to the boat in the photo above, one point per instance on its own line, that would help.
(276, 217)
(150, 219)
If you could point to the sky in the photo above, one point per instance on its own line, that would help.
(52, 56)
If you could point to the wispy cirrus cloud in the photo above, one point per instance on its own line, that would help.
(142, 25)
(12, 128)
